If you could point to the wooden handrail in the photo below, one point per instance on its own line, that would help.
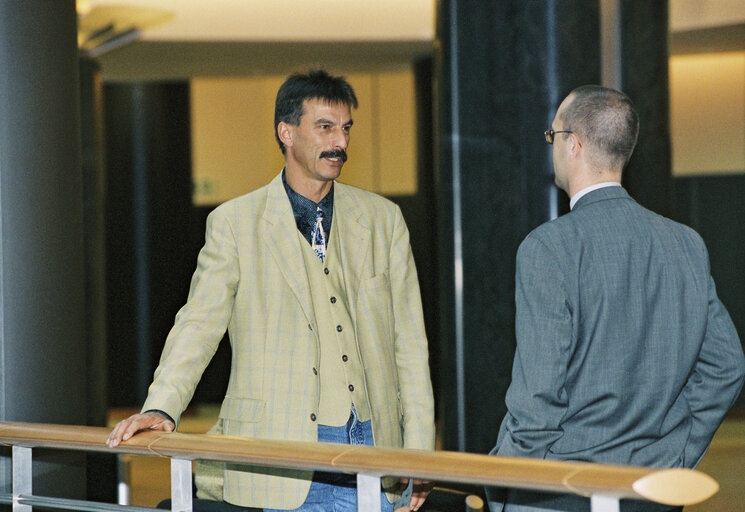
(667, 486)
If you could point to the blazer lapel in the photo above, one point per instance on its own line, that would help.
(281, 238)
(354, 245)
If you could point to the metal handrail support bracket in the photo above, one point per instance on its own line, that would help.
(368, 493)
(22, 477)
(181, 485)
(600, 503)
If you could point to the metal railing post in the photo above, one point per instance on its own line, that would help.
(122, 476)
(181, 485)
(22, 477)
(368, 493)
(600, 503)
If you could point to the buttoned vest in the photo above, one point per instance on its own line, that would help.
(340, 367)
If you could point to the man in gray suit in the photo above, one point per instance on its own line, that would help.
(625, 355)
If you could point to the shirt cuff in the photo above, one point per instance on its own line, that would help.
(164, 414)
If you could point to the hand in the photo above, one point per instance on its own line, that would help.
(137, 423)
(420, 491)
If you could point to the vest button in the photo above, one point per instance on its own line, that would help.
(344, 358)
(326, 271)
(333, 300)
(339, 328)
(351, 388)
(312, 417)
(315, 371)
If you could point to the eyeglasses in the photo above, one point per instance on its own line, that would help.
(549, 134)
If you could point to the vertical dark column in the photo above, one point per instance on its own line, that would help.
(42, 280)
(148, 162)
(102, 471)
(644, 69)
(94, 193)
(423, 227)
(502, 69)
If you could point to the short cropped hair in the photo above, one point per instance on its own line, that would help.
(316, 84)
(606, 120)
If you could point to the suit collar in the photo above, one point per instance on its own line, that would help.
(281, 237)
(277, 203)
(354, 230)
(348, 207)
(576, 197)
(601, 194)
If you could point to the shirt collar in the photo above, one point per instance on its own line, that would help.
(304, 209)
(576, 197)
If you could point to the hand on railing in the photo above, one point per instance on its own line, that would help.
(136, 423)
(419, 493)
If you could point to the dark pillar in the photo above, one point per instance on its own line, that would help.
(148, 212)
(102, 470)
(502, 70)
(644, 77)
(42, 292)
(94, 194)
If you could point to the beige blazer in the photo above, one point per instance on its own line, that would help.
(251, 279)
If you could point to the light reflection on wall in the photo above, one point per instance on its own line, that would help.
(707, 113)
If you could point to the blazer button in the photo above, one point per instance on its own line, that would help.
(351, 388)
(315, 371)
(312, 416)
(344, 358)
(338, 328)
(310, 327)
(333, 300)
(326, 270)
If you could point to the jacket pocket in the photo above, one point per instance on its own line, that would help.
(248, 410)
(375, 301)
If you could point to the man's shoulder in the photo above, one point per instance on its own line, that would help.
(666, 224)
(361, 197)
(627, 216)
(359, 193)
(254, 199)
(553, 229)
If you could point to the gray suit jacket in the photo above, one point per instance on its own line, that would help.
(625, 355)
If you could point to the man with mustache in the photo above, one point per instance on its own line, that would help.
(315, 282)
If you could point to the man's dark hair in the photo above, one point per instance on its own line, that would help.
(607, 120)
(316, 84)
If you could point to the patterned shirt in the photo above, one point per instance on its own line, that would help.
(305, 211)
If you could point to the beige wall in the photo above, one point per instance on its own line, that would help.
(707, 113)
(234, 150)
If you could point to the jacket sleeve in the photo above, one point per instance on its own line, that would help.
(536, 399)
(410, 345)
(201, 323)
(716, 380)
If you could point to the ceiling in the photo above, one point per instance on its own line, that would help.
(239, 37)
(168, 39)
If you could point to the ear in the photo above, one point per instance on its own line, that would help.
(575, 144)
(285, 133)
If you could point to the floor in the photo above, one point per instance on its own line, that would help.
(149, 477)
(725, 462)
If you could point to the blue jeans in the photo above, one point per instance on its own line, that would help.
(337, 492)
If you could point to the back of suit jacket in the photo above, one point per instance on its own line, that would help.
(624, 354)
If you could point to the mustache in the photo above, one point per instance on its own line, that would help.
(335, 153)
